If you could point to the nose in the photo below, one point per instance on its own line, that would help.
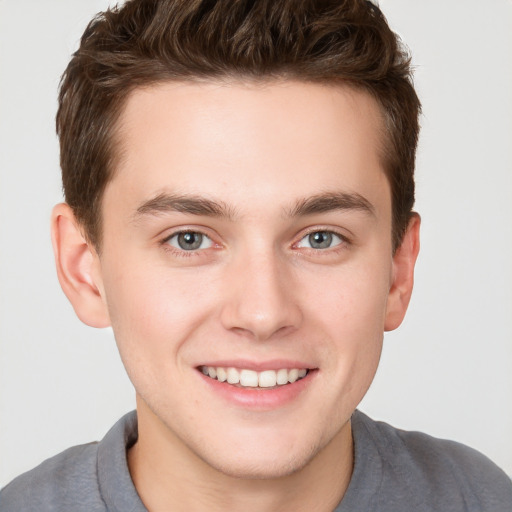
(261, 303)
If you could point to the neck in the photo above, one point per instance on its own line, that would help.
(169, 476)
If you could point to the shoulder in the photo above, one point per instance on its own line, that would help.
(88, 478)
(68, 479)
(437, 474)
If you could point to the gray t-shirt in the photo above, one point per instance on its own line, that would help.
(394, 471)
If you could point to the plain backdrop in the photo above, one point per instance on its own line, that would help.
(446, 371)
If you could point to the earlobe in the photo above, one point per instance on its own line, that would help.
(78, 268)
(402, 279)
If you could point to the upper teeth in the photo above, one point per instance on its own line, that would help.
(253, 379)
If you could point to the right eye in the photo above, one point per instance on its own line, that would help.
(189, 241)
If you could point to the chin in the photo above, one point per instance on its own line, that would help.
(256, 456)
(271, 468)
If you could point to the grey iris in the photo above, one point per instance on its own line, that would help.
(320, 240)
(190, 241)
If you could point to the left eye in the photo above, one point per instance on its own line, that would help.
(189, 241)
(320, 240)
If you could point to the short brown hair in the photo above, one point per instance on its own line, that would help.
(145, 42)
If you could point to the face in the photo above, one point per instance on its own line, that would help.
(247, 236)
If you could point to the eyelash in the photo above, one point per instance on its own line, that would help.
(182, 252)
(344, 242)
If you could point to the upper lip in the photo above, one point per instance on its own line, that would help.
(259, 366)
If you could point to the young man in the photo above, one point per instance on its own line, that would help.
(239, 192)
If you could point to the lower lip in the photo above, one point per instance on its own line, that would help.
(260, 398)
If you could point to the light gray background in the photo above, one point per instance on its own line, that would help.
(446, 371)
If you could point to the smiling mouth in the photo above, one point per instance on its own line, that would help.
(252, 379)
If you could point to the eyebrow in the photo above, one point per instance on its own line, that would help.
(201, 206)
(191, 204)
(331, 201)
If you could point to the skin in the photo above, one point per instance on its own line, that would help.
(256, 291)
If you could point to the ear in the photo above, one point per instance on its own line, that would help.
(78, 268)
(402, 277)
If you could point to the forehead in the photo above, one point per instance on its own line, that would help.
(244, 141)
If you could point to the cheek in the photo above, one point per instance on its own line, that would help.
(152, 315)
(350, 300)
(154, 310)
(350, 312)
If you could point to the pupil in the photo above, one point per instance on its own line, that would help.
(320, 240)
(190, 241)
